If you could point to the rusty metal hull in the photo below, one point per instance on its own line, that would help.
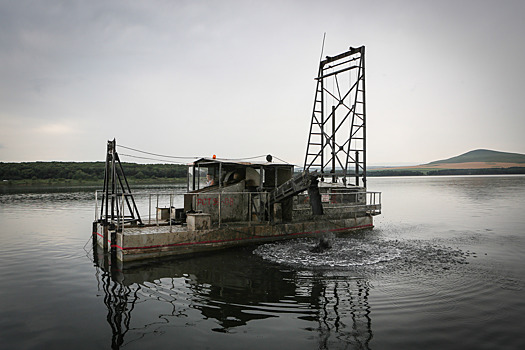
(153, 242)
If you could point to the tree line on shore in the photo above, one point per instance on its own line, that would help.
(86, 171)
(94, 171)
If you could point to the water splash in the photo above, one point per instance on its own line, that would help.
(365, 254)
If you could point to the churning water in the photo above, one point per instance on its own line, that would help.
(362, 254)
(443, 268)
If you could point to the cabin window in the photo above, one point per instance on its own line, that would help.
(191, 182)
(209, 176)
(197, 177)
(202, 175)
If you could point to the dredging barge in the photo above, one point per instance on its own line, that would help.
(230, 203)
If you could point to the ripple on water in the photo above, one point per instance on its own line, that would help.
(411, 277)
(366, 254)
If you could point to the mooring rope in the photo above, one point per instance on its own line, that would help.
(88, 251)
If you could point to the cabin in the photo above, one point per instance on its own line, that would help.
(234, 191)
(244, 192)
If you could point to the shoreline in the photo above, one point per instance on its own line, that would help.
(179, 181)
(84, 183)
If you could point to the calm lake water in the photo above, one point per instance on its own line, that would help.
(442, 269)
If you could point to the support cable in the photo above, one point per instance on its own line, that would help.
(155, 154)
(183, 157)
(147, 158)
(246, 158)
(284, 161)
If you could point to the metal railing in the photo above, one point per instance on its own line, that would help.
(362, 201)
(166, 197)
(119, 220)
(258, 204)
(371, 203)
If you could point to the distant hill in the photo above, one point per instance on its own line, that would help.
(477, 162)
(484, 156)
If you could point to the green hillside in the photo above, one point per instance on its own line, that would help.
(484, 155)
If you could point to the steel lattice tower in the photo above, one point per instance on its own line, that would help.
(116, 191)
(337, 141)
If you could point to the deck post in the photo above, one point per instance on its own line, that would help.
(157, 211)
(149, 210)
(96, 205)
(171, 206)
(112, 238)
(334, 153)
(105, 234)
(219, 209)
(250, 208)
(94, 241)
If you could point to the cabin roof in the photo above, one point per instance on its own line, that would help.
(210, 161)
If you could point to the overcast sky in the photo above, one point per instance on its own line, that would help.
(235, 78)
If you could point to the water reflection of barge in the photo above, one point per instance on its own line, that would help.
(257, 202)
(227, 293)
